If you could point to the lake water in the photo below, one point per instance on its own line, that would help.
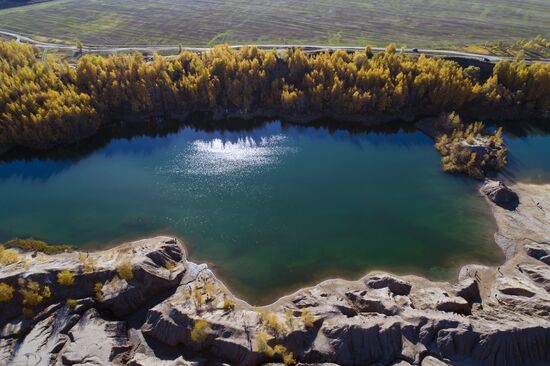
(270, 208)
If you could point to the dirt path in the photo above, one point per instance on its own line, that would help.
(310, 48)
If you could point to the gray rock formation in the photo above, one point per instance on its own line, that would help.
(500, 194)
(175, 312)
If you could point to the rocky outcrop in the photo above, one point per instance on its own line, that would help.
(175, 312)
(500, 194)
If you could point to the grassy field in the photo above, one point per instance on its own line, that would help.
(416, 23)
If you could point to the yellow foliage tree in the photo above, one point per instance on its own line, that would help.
(44, 103)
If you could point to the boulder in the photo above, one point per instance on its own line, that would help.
(500, 194)
(395, 285)
(367, 303)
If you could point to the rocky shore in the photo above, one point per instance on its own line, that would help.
(144, 303)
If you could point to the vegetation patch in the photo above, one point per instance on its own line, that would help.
(31, 292)
(200, 331)
(228, 304)
(98, 289)
(8, 256)
(428, 23)
(6, 292)
(33, 245)
(65, 278)
(471, 149)
(538, 47)
(307, 318)
(71, 303)
(126, 271)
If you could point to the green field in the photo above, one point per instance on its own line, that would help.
(416, 23)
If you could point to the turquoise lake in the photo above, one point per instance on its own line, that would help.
(270, 208)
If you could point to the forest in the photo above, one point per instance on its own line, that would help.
(44, 103)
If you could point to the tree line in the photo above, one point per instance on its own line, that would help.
(44, 103)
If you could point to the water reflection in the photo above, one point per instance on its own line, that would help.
(226, 147)
(33, 170)
(217, 157)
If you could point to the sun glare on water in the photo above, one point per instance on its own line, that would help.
(218, 156)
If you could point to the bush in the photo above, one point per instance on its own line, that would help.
(6, 292)
(169, 266)
(87, 262)
(71, 303)
(98, 289)
(65, 278)
(271, 320)
(46, 292)
(288, 357)
(200, 331)
(31, 293)
(8, 256)
(30, 245)
(197, 294)
(228, 304)
(210, 289)
(308, 318)
(261, 344)
(126, 271)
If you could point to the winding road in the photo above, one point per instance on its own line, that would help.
(306, 47)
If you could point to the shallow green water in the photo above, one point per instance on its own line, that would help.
(271, 208)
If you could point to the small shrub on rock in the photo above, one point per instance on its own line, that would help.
(46, 292)
(65, 278)
(170, 266)
(271, 320)
(126, 271)
(71, 303)
(261, 344)
(197, 295)
(98, 289)
(200, 331)
(6, 292)
(288, 357)
(31, 293)
(88, 263)
(228, 304)
(209, 289)
(8, 256)
(307, 318)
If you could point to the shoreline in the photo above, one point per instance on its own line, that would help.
(451, 270)
(155, 123)
(487, 315)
